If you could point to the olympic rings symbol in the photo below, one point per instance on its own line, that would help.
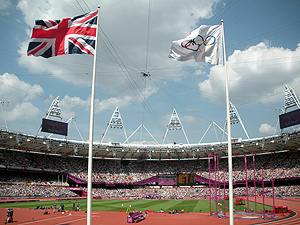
(199, 43)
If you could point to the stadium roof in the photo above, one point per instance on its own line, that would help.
(119, 151)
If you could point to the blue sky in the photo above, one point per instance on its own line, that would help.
(262, 48)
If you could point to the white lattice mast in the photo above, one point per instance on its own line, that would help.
(141, 127)
(115, 122)
(1, 104)
(290, 99)
(54, 111)
(175, 124)
(235, 119)
(215, 125)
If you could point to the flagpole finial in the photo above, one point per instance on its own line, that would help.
(222, 20)
(98, 6)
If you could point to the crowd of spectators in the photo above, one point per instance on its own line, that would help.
(268, 166)
(284, 165)
(240, 175)
(169, 192)
(30, 179)
(280, 165)
(192, 192)
(28, 191)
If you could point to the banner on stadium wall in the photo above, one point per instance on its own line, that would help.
(54, 127)
(289, 119)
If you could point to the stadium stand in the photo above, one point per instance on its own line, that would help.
(46, 175)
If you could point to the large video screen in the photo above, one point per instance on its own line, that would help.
(289, 119)
(54, 127)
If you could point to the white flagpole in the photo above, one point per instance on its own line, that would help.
(228, 135)
(91, 134)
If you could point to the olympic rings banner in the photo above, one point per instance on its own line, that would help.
(203, 44)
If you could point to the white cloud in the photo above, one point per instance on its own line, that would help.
(266, 129)
(22, 111)
(12, 88)
(263, 67)
(70, 104)
(188, 119)
(18, 94)
(112, 102)
(4, 4)
(125, 24)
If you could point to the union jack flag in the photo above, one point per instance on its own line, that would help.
(75, 35)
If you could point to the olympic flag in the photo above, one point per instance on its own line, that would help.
(207, 44)
(203, 44)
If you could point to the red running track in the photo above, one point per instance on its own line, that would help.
(37, 217)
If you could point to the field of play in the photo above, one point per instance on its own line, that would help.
(108, 211)
(193, 205)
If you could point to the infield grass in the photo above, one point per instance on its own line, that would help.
(193, 205)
